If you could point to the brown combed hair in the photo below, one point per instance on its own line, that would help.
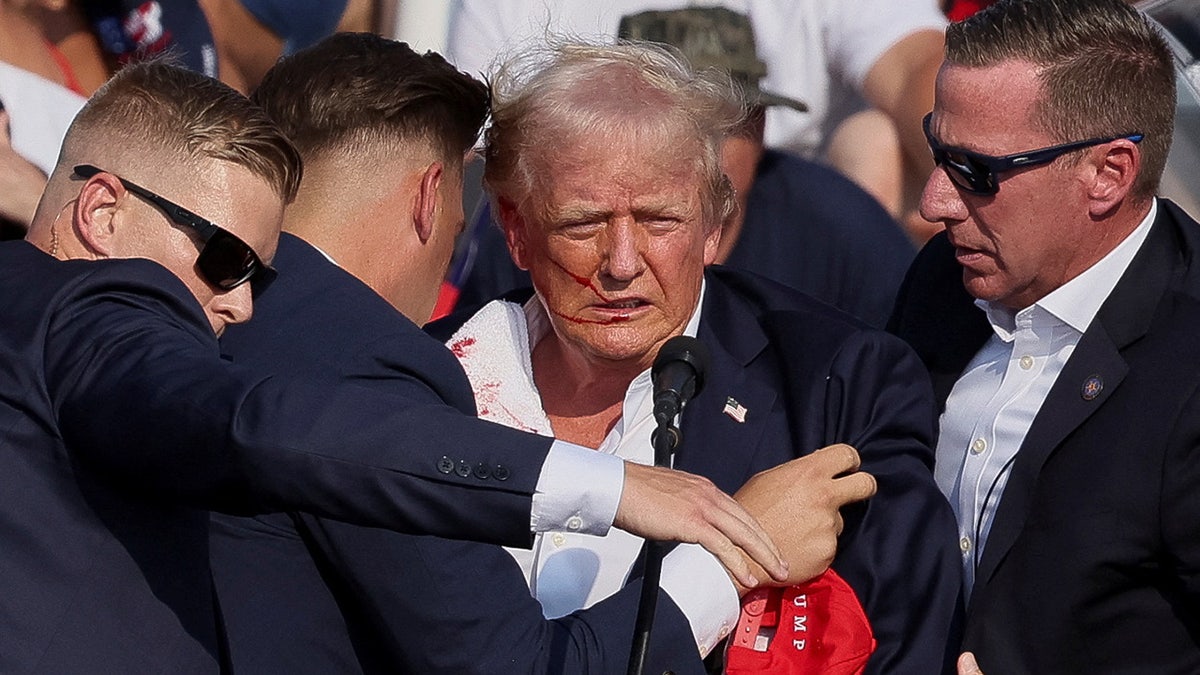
(359, 92)
(1105, 70)
(158, 105)
(579, 87)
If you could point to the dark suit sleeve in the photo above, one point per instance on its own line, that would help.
(474, 597)
(134, 375)
(899, 550)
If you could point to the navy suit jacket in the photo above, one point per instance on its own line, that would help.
(811, 376)
(305, 594)
(1093, 561)
(120, 423)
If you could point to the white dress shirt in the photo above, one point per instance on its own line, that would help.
(567, 571)
(994, 402)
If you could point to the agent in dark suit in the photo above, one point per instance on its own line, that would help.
(300, 592)
(120, 424)
(616, 226)
(1058, 316)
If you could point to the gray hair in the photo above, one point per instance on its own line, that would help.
(627, 89)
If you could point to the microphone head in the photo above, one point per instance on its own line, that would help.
(682, 349)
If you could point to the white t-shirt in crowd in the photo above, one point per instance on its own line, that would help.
(817, 51)
(40, 111)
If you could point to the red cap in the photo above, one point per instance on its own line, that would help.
(961, 9)
(816, 628)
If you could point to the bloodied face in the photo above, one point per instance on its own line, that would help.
(616, 242)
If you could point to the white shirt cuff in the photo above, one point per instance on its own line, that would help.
(577, 491)
(700, 586)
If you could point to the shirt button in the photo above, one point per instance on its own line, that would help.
(574, 523)
(1026, 362)
(978, 446)
(964, 544)
(558, 540)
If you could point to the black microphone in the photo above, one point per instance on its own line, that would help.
(678, 375)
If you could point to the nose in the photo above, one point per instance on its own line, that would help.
(623, 255)
(234, 306)
(940, 200)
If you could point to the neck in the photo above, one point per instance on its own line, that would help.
(583, 397)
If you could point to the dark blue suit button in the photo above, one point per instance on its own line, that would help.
(482, 471)
(445, 464)
(463, 469)
(500, 472)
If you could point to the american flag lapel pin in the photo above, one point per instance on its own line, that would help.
(735, 410)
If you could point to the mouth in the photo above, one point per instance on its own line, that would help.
(621, 307)
(967, 255)
(629, 303)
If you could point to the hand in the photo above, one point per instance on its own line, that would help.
(21, 183)
(798, 504)
(668, 505)
(967, 665)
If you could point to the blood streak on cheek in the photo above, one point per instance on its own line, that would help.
(587, 283)
(582, 281)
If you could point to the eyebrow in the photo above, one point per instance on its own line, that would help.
(578, 212)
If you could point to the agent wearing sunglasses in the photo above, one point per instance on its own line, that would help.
(1057, 314)
(120, 425)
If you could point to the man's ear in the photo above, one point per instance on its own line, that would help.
(513, 225)
(712, 242)
(426, 204)
(95, 216)
(1116, 170)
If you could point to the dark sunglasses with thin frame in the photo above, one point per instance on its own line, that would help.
(225, 261)
(979, 174)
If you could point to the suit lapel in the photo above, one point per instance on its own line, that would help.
(1097, 360)
(715, 444)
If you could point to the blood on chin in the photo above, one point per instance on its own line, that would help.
(600, 321)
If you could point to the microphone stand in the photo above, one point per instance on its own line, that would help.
(665, 438)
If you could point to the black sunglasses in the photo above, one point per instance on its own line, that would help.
(980, 174)
(224, 261)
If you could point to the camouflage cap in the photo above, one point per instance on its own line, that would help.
(709, 37)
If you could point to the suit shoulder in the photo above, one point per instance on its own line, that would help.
(71, 284)
(796, 322)
(765, 297)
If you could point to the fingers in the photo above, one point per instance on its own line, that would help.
(740, 533)
(5, 135)
(664, 504)
(854, 488)
(967, 665)
(837, 459)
